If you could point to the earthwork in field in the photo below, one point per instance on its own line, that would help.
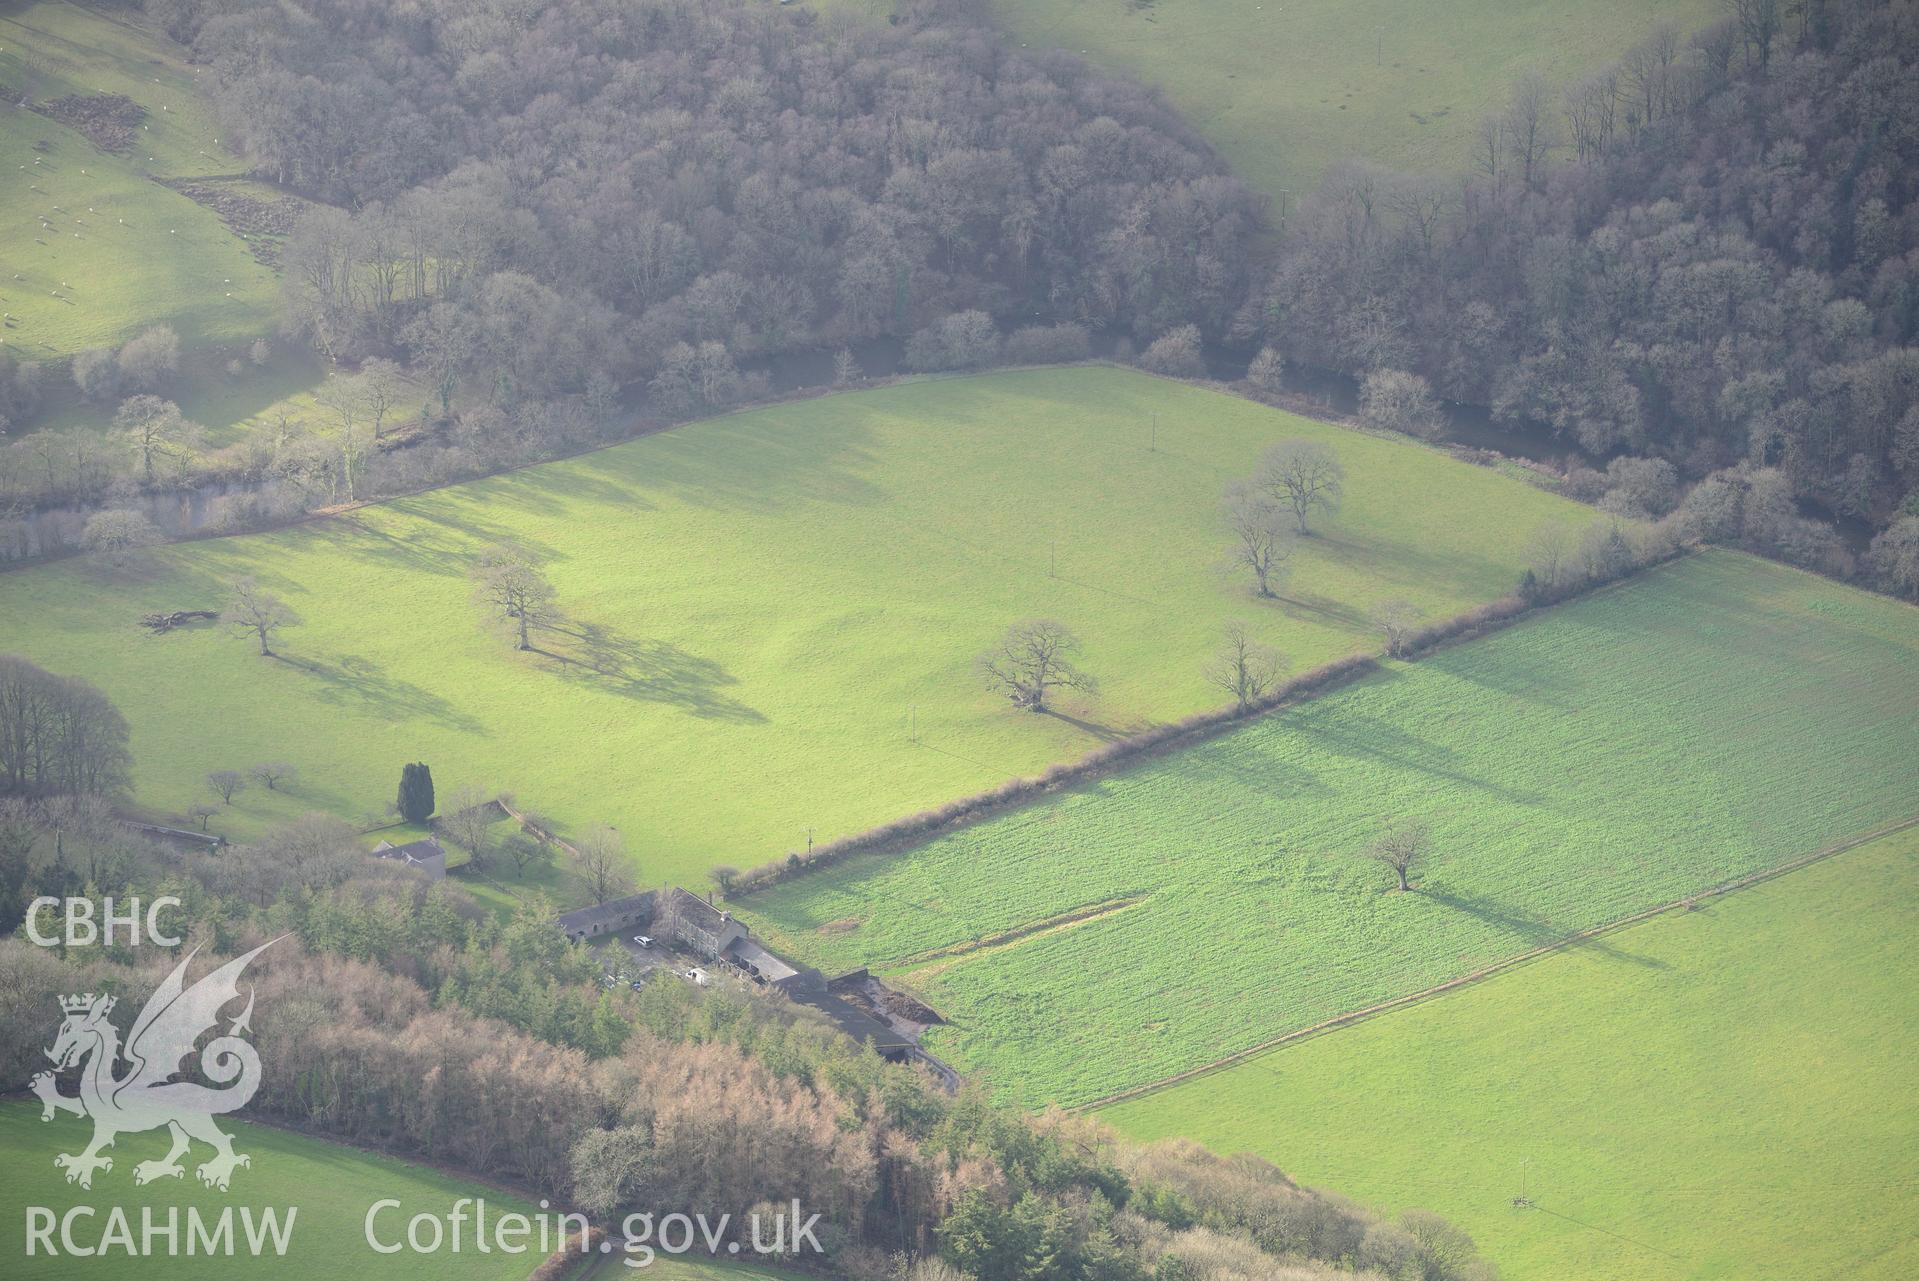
(1593, 761)
(761, 610)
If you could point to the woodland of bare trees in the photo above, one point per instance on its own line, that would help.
(59, 735)
(1707, 253)
(516, 205)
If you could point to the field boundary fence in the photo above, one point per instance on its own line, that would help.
(1566, 943)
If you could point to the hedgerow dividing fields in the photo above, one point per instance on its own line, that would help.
(1722, 1093)
(332, 1187)
(1711, 718)
(761, 608)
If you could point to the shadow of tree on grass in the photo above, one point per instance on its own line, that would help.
(366, 684)
(1532, 930)
(651, 671)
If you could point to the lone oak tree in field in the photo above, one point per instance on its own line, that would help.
(1302, 476)
(226, 784)
(506, 579)
(273, 773)
(1403, 849)
(1261, 541)
(1243, 667)
(1032, 658)
(254, 611)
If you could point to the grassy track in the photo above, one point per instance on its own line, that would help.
(1712, 718)
(771, 596)
(1725, 1093)
(331, 1186)
(1285, 88)
(123, 251)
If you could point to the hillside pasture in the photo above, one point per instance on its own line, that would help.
(94, 247)
(1723, 1093)
(331, 1186)
(771, 619)
(1287, 88)
(1709, 719)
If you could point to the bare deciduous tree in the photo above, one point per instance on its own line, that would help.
(507, 580)
(1032, 659)
(382, 383)
(603, 860)
(1394, 400)
(1403, 849)
(153, 428)
(202, 813)
(226, 784)
(524, 852)
(1243, 667)
(1267, 373)
(117, 535)
(1759, 21)
(256, 612)
(466, 819)
(1302, 476)
(1396, 619)
(1530, 129)
(722, 876)
(274, 773)
(1546, 553)
(1262, 541)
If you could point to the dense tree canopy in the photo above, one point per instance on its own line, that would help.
(1709, 252)
(587, 186)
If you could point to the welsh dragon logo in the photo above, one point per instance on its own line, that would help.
(146, 1096)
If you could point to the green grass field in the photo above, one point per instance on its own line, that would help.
(762, 606)
(1721, 1094)
(331, 1186)
(1286, 88)
(683, 1268)
(228, 404)
(1712, 717)
(92, 248)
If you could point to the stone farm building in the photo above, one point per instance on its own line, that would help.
(692, 923)
(633, 912)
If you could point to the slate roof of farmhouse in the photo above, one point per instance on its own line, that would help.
(588, 918)
(412, 852)
(695, 911)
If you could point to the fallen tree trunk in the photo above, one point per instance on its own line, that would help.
(157, 623)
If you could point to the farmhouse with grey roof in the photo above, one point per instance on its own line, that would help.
(424, 854)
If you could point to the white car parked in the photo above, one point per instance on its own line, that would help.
(644, 940)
